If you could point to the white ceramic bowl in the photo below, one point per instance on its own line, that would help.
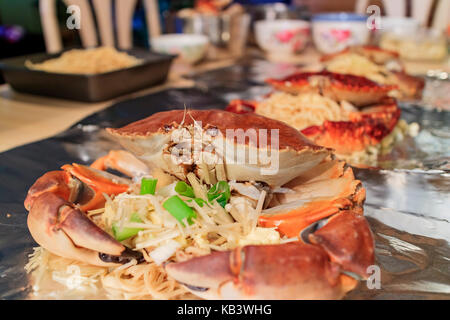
(191, 48)
(400, 25)
(282, 36)
(333, 32)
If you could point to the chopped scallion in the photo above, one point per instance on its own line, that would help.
(148, 185)
(124, 233)
(182, 188)
(179, 209)
(220, 192)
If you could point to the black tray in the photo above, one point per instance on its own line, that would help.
(89, 88)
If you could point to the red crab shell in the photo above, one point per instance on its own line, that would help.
(365, 128)
(357, 90)
(409, 87)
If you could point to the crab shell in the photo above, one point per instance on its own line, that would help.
(357, 90)
(409, 87)
(294, 154)
(365, 128)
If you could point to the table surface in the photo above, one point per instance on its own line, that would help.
(26, 118)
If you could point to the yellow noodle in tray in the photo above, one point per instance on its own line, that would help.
(87, 61)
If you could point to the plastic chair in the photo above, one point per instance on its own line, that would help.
(103, 13)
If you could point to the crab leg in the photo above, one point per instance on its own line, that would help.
(330, 188)
(287, 271)
(123, 162)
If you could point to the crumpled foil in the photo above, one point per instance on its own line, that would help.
(407, 204)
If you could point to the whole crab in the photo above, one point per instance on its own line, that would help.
(334, 244)
(375, 118)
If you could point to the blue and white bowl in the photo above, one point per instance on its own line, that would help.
(333, 32)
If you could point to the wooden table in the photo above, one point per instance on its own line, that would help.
(27, 118)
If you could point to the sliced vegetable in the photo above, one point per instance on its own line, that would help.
(182, 188)
(164, 252)
(124, 233)
(199, 201)
(220, 192)
(148, 185)
(179, 209)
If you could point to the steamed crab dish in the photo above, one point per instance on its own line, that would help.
(379, 65)
(212, 205)
(351, 114)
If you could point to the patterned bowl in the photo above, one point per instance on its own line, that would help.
(282, 36)
(191, 48)
(333, 32)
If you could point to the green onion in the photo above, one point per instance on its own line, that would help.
(179, 209)
(199, 201)
(219, 192)
(125, 233)
(182, 188)
(148, 185)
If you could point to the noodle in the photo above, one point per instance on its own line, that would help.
(358, 65)
(87, 61)
(303, 110)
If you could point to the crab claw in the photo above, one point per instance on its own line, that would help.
(66, 231)
(287, 271)
(348, 241)
(57, 182)
(57, 203)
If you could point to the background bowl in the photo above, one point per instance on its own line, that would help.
(400, 25)
(282, 36)
(333, 32)
(191, 48)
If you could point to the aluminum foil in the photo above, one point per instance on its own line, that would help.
(407, 205)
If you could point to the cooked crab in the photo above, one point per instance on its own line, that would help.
(345, 112)
(357, 90)
(374, 63)
(328, 240)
